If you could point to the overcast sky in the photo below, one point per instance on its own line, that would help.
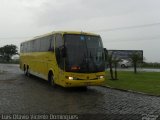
(123, 24)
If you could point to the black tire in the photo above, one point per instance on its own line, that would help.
(51, 80)
(26, 71)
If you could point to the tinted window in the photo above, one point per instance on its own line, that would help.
(31, 46)
(84, 53)
(21, 48)
(38, 45)
(51, 47)
(34, 46)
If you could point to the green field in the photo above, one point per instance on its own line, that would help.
(147, 82)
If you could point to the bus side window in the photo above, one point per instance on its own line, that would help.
(25, 47)
(21, 48)
(51, 43)
(33, 46)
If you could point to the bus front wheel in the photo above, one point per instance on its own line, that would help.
(51, 79)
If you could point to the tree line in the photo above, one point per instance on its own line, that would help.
(7, 51)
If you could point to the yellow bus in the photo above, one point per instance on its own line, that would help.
(65, 58)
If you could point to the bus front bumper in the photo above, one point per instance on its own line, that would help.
(79, 83)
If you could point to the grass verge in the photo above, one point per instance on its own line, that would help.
(146, 82)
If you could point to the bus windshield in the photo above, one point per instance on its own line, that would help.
(84, 53)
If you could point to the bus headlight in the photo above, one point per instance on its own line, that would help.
(70, 78)
(101, 77)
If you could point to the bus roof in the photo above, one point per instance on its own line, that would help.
(67, 32)
(62, 32)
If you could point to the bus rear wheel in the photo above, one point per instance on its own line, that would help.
(26, 71)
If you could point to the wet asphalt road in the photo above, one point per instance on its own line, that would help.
(21, 94)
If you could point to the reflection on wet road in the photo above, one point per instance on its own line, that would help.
(20, 94)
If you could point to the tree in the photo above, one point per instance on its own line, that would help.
(115, 61)
(135, 59)
(8, 51)
(110, 58)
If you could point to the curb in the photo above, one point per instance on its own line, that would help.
(131, 91)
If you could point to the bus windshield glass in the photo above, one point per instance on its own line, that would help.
(84, 53)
